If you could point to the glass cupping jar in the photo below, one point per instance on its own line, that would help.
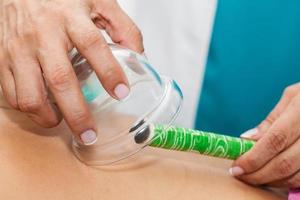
(153, 99)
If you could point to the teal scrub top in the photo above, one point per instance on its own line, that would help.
(254, 54)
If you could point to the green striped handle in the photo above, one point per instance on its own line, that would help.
(206, 143)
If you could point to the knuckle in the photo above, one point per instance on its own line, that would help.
(77, 119)
(251, 163)
(270, 119)
(110, 73)
(27, 31)
(30, 104)
(60, 78)
(13, 103)
(10, 97)
(290, 91)
(42, 43)
(89, 40)
(110, 77)
(277, 141)
(285, 167)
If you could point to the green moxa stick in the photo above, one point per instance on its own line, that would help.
(206, 143)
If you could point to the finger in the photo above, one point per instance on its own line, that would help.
(283, 132)
(7, 80)
(288, 94)
(90, 43)
(118, 25)
(64, 85)
(32, 96)
(252, 134)
(8, 86)
(263, 127)
(8, 30)
(282, 166)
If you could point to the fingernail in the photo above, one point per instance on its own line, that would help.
(236, 171)
(88, 137)
(121, 91)
(250, 133)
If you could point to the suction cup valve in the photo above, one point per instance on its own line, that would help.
(153, 99)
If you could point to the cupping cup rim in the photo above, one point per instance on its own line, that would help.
(170, 88)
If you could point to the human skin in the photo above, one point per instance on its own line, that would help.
(274, 159)
(35, 38)
(38, 163)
